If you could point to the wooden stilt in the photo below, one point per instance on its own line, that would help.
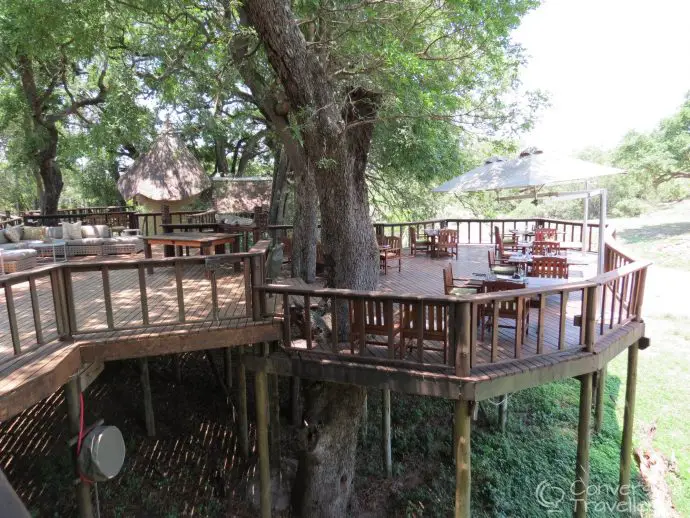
(176, 368)
(628, 421)
(386, 432)
(261, 391)
(461, 440)
(582, 466)
(600, 392)
(503, 413)
(84, 502)
(296, 400)
(274, 419)
(228, 367)
(148, 401)
(243, 424)
(217, 374)
(365, 418)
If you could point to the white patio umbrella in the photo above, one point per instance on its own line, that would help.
(533, 170)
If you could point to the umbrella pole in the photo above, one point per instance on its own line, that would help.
(602, 231)
(585, 226)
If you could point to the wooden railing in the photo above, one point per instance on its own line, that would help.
(349, 311)
(6, 219)
(86, 297)
(475, 231)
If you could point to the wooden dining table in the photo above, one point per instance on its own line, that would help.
(175, 241)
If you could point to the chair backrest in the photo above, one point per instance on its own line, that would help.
(550, 267)
(447, 279)
(381, 239)
(447, 236)
(544, 234)
(546, 247)
(394, 242)
(375, 318)
(492, 258)
(434, 318)
(508, 307)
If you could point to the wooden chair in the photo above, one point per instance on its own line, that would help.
(447, 242)
(501, 251)
(507, 309)
(549, 267)
(545, 234)
(392, 253)
(462, 287)
(508, 242)
(423, 245)
(377, 323)
(546, 247)
(431, 327)
(500, 267)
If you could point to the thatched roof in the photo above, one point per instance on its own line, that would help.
(166, 172)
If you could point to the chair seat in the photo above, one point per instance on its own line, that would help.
(503, 270)
(389, 254)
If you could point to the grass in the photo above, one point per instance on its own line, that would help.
(526, 471)
(663, 393)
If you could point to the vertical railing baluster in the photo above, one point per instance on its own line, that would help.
(107, 296)
(215, 310)
(614, 295)
(519, 330)
(589, 319)
(623, 296)
(36, 311)
(494, 330)
(307, 320)
(12, 317)
(69, 297)
(334, 325)
(287, 333)
(247, 272)
(421, 322)
(180, 292)
(541, 324)
(143, 296)
(561, 322)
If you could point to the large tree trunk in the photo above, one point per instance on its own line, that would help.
(279, 186)
(337, 158)
(305, 227)
(49, 171)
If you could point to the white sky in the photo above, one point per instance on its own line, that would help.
(608, 66)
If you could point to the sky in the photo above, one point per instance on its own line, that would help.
(608, 67)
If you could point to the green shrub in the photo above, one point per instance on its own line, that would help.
(629, 208)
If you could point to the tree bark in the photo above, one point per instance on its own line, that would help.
(327, 459)
(335, 145)
(305, 227)
(49, 171)
(280, 185)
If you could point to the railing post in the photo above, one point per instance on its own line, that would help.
(640, 294)
(590, 318)
(256, 280)
(248, 292)
(462, 327)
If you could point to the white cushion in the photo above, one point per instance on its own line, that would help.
(9, 246)
(95, 231)
(71, 230)
(54, 232)
(33, 233)
(14, 234)
(15, 255)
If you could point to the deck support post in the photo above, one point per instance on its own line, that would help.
(274, 419)
(296, 400)
(503, 413)
(386, 432)
(72, 393)
(461, 447)
(148, 400)
(261, 391)
(582, 466)
(628, 420)
(599, 391)
(242, 403)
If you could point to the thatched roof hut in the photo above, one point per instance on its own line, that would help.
(167, 174)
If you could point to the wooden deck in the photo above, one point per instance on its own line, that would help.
(422, 275)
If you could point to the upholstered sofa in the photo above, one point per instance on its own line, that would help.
(93, 240)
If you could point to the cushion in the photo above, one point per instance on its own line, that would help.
(34, 233)
(95, 231)
(54, 232)
(504, 270)
(14, 234)
(71, 230)
(124, 240)
(232, 219)
(8, 246)
(463, 291)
